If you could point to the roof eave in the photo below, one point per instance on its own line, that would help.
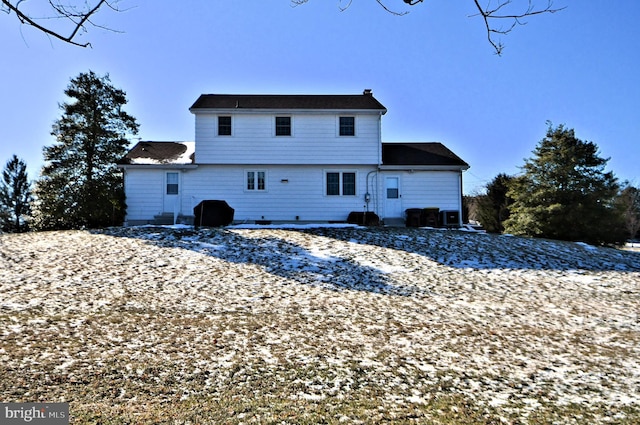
(285, 111)
(159, 166)
(411, 168)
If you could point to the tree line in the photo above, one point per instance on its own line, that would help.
(79, 185)
(563, 192)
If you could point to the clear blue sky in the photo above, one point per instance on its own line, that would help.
(433, 69)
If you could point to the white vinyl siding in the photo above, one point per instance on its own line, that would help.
(426, 189)
(315, 140)
(293, 191)
(145, 193)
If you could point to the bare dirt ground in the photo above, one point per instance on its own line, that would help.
(326, 325)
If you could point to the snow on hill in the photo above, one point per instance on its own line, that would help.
(512, 324)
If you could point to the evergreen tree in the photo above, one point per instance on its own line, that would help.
(629, 201)
(80, 185)
(15, 196)
(564, 193)
(492, 209)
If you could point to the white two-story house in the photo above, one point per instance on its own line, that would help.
(289, 158)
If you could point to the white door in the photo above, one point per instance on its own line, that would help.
(172, 192)
(393, 201)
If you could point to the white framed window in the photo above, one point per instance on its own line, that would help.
(255, 180)
(347, 126)
(173, 180)
(340, 183)
(283, 126)
(224, 125)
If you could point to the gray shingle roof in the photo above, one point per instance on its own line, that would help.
(364, 101)
(150, 153)
(420, 154)
(393, 154)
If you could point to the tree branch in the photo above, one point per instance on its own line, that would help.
(68, 12)
(495, 10)
(489, 14)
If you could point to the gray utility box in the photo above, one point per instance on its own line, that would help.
(450, 218)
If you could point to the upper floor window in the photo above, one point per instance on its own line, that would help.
(256, 180)
(283, 126)
(172, 183)
(224, 126)
(340, 183)
(347, 126)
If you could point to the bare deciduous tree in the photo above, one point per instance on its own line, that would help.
(506, 11)
(77, 15)
(65, 21)
(495, 12)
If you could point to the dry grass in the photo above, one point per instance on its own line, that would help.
(319, 326)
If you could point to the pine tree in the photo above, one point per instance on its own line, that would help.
(564, 193)
(80, 185)
(15, 196)
(493, 208)
(629, 202)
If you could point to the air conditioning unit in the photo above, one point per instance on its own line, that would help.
(450, 218)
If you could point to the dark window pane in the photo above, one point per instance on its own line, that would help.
(349, 183)
(251, 180)
(333, 183)
(283, 126)
(347, 126)
(224, 126)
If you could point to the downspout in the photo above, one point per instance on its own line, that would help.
(377, 199)
(367, 196)
(125, 222)
(379, 140)
(461, 219)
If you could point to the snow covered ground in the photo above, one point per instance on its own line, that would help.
(130, 317)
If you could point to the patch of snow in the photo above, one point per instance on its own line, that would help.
(587, 246)
(66, 365)
(310, 397)
(509, 322)
(294, 226)
(416, 400)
